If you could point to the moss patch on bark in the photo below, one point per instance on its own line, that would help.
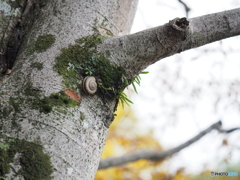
(42, 43)
(82, 59)
(35, 164)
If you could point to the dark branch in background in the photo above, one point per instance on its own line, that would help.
(228, 131)
(156, 156)
(187, 9)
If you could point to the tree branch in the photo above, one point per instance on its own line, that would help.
(229, 130)
(135, 52)
(187, 9)
(156, 156)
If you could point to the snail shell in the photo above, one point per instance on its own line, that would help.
(89, 84)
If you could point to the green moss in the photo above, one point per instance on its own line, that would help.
(37, 65)
(59, 99)
(82, 59)
(16, 104)
(5, 159)
(34, 100)
(46, 108)
(42, 43)
(30, 91)
(5, 112)
(56, 99)
(35, 164)
(46, 104)
(15, 107)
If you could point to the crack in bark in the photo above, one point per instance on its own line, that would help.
(58, 130)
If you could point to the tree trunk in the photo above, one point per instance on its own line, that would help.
(40, 106)
(50, 113)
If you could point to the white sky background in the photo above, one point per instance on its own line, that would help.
(188, 92)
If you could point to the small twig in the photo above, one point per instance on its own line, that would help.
(228, 131)
(187, 9)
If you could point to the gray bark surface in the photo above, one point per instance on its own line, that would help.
(74, 144)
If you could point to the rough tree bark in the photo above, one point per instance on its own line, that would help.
(50, 127)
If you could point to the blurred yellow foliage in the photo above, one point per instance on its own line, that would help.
(124, 137)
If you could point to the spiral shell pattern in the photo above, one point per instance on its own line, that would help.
(89, 85)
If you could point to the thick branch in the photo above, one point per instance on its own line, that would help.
(156, 156)
(137, 51)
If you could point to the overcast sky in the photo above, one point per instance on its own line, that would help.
(188, 92)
